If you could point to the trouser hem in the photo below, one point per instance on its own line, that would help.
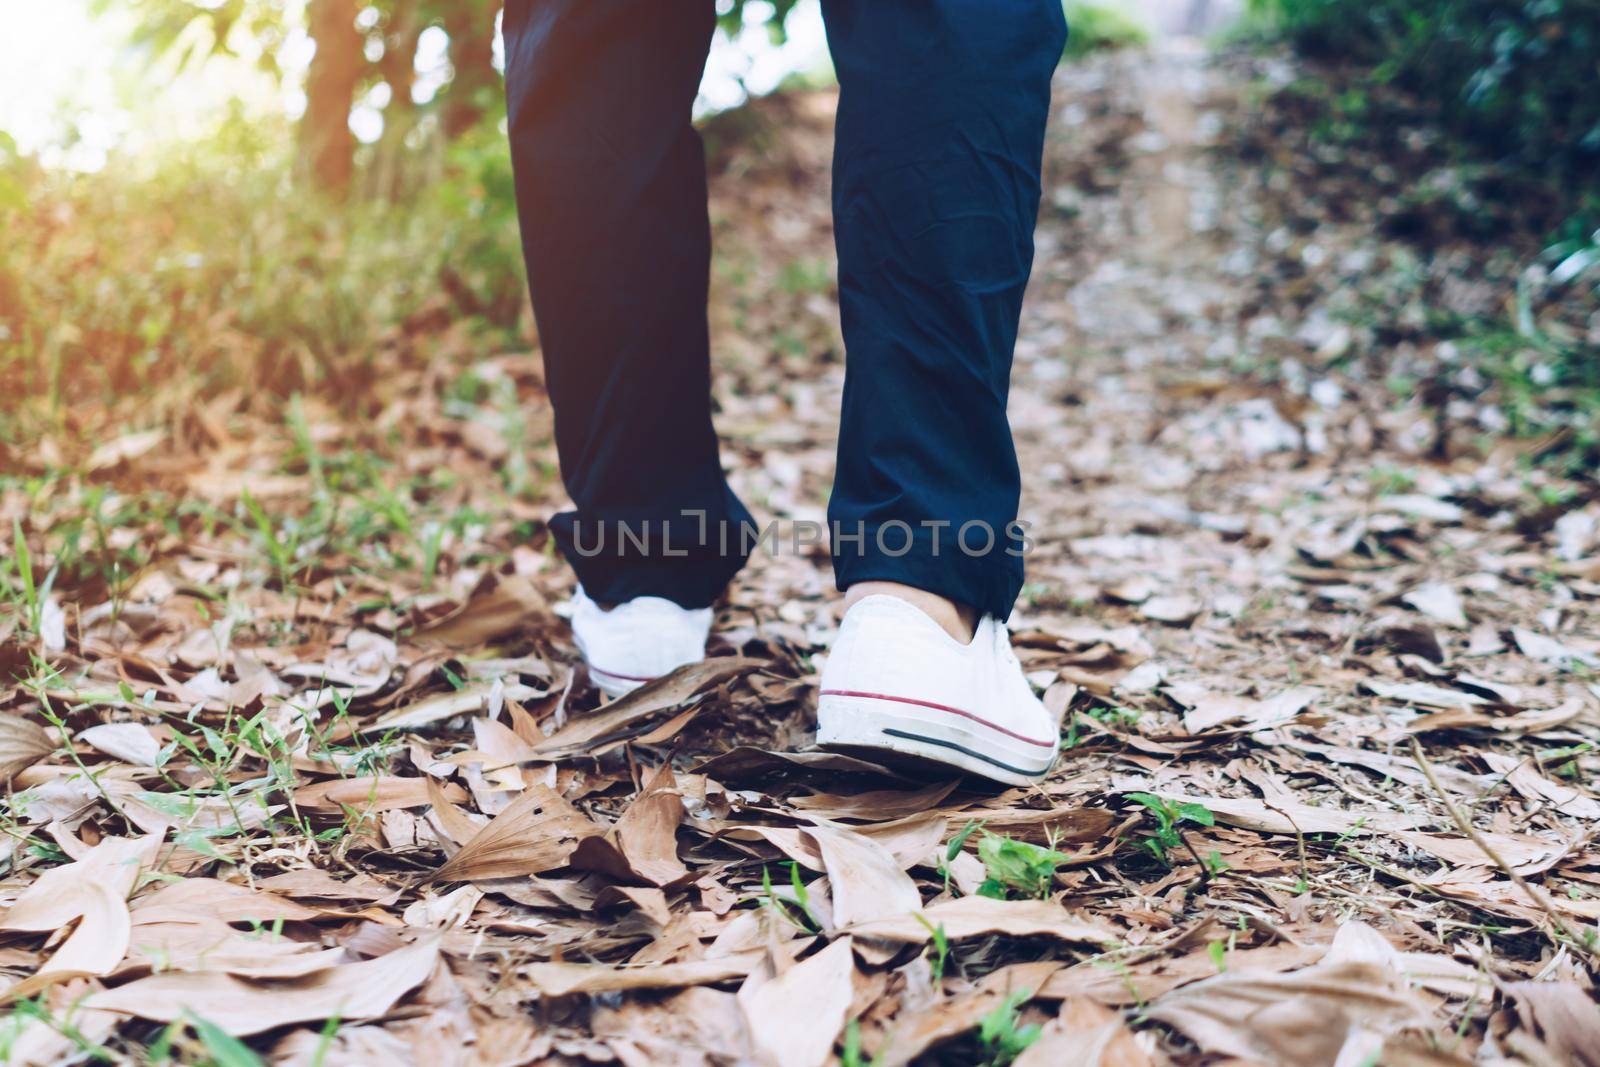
(988, 581)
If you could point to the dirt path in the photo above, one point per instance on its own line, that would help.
(1254, 586)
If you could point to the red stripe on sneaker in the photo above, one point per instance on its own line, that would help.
(939, 707)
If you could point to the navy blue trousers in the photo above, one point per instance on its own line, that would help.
(938, 146)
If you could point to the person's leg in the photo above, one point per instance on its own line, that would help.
(942, 114)
(611, 192)
(940, 136)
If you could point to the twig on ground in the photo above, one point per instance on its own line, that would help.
(1466, 827)
(1299, 840)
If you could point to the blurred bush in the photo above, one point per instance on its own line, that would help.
(1100, 27)
(1519, 80)
(204, 268)
(1473, 128)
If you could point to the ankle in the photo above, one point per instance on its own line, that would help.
(958, 620)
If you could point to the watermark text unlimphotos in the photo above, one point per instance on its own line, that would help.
(695, 534)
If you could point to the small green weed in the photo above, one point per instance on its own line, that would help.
(1169, 817)
(796, 911)
(941, 947)
(850, 1055)
(953, 850)
(1017, 869)
(1000, 1037)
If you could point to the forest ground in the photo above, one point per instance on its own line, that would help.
(323, 774)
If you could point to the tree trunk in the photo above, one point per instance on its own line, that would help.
(398, 70)
(326, 144)
(470, 24)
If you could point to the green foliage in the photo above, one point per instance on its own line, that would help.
(1000, 1036)
(203, 271)
(223, 1048)
(190, 31)
(23, 591)
(1169, 817)
(850, 1055)
(1017, 868)
(1101, 27)
(796, 910)
(20, 1015)
(1516, 78)
(733, 14)
(953, 850)
(1218, 951)
(1510, 86)
(941, 946)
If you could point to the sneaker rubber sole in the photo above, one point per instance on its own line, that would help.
(874, 725)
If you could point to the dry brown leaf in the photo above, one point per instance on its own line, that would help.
(966, 917)
(915, 1031)
(504, 750)
(91, 891)
(1526, 854)
(564, 979)
(643, 844)
(1209, 711)
(878, 805)
(1403, 770)
(39, 1040)
(1424, 695)
(314, 884)
(1509, 695)
(790, 840)
(1140, 982)
(124, 449)
(455, 823)
(1060, 825)
(501, 605)
(22, 744)
(1523, 776)
(215, 947)
(864, 876)
(350, 992)
(355, 1046)
(1133, 590)
(130, 742)
(688, 1029)
(1085, 1034)
(1533, 721)
(198, 899)
(1098, 659)
(794, 1019)
(651, 902)
(445, 706)
(647, 833)
(1280, 816)
(370, 794)
(1564, 1017)
(439, 912)
(1484, 888)
(1332, 1013)
(744, 762)
(627, 713)
(1440, 602)
(1419, 506)
(1177, 610)
(1549, 650)
(535, 834)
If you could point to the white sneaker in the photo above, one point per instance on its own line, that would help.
(637, 641)
(897, 683)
